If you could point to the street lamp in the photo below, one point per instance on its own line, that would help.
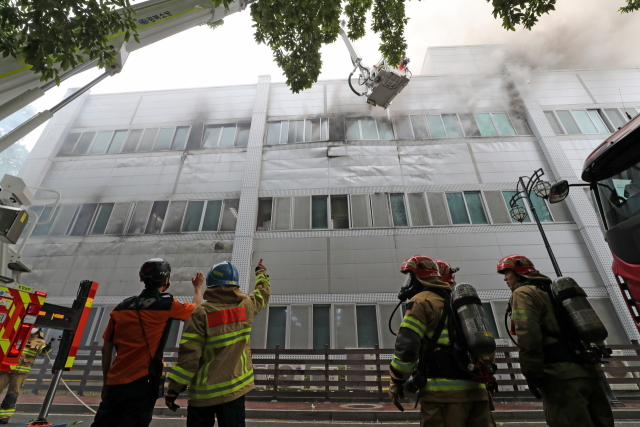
(540, 188)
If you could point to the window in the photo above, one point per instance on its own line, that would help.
(321, 326)
(466, 208)
(596, 118)
(368, 128)
(367, 326)
(319, 213)
(84, 143)
(584, 122)
(140, 218)
(567, 121)
(101, 143)
(360, 211)
(43, 230)
(212, 215)
(380, 210)
(117, 141)
(282, 208)
(180, 138)
(302, 213)
(132, 141)
(542, 210)
(507, 198)
(225, 135)
(504, 125)
(174, 217)
(299, 327)
(520, 123)
(419, 125)
(497, 207)
(264, 214)
(336, 129)
(418, 209)
(69, 144)
(243, 134)
(296, 131)
(469, 125)
(615, 117)
(148, 138)
(193, 216)
(83, 219)
(385, 130)
(163, 141)
(64, 220)
(100, 224)
(157, 217)
(229, 215)
(475, 208)
(312, 130)
(339, 212)
(273, 133)
(403, 127)
(398, 210)
(118, 218)
(307, 130)
(457, 208)
(554, 123)
(486, 125)
(491, 324)
(277, 327)
(211, 136)
(344, 323)
(451, 126)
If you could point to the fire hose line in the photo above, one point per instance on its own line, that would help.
(74, 395)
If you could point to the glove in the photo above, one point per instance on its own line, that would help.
(396, 392)
(170, 399)
(46, 348)
(260, 269)
(534, 385)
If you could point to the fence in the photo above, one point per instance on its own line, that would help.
(329, 373)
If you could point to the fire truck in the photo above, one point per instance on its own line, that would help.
(612, 172)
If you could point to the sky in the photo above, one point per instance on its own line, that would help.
(578, 34)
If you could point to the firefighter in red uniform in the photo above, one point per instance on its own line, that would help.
(138, 329)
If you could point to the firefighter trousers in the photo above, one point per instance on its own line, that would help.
(460, 414)
(229, 414)
(15, 381)
(585, 396)
(127, 405)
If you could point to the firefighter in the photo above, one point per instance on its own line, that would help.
(138, 328)
(447, 273)
(214, 359)
(445, 399)
(571, 390)
(36, 346)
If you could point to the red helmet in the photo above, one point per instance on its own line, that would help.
(447, 272)
(518, 263)
(421, 265)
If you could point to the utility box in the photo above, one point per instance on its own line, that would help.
(12, 222)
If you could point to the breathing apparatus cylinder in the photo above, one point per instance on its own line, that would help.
(583, 317)
(473, 322)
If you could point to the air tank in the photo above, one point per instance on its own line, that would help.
(473, 322)
(574, 301)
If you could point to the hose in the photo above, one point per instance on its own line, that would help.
(391, 318)
(351, 86)
(74, 395)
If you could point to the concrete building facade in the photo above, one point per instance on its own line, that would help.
(331, 193)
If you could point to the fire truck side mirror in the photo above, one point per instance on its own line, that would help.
(559, 191)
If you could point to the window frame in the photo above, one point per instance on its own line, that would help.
(98, 132)
(359, 119)
(406, 209)
(590, 120)
(395, 130)
(496, 125)
(293, 213)
(210, 125)
(95, 135)
(466, 206)
(528, 208)
(426, 202)
(575, 122)
(330, 220)
(92, 224)
(369, 212)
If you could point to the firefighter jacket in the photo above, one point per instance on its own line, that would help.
(420, 321)
(536, 327)
(36, 346)
(214, 359)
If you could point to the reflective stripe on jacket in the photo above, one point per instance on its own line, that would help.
(35, 347)
(214, 359)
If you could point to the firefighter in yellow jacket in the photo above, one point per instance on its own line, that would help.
(36, 346)
(445, 400)
(214, 359)
(571, 390)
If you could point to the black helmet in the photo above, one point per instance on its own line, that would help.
(154, 272)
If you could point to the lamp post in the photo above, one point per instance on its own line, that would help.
(540, 188)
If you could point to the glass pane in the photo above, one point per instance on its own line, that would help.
(367, 325)
(380, 210)
(43, 230)
(438, 209)
(436, 127)
(228, 136)
(486, 125)
(229, 215)
(504, 124)
(419, 124)
(101, 142)
(85, 215)
(542, 210)
(324, 133)
(497, 207)
(117, 141)
(615, 117)
(83, 144)
(132, 141)
(319, 213)
(321, 326)
(277, 327)
(597, 120)
(117, 219)
(283, 213)
(302, 213)
(312, 130)
(345, 326)
(336, 129)
(352, 127)
(554, 123)
(211, 136)
(69, 144)
(212, 215)
(507, 198)
(567, 121)
(148, 139)
(284, 134)
(398, 210)
(457, 209)
(264, 214)
(418, 209)
(164, 139)
(193, 216)
(157, 217)
(476, 210)
(339, 212)
(403, 127)
(296, 131)
(384, 128)
(243, 134)
(140, 218)
(520, 123)
(360, 211)
(64, 220)
(629, 113)
(195, 140)
(469, 125)
(102, 219)
(369, 130)
(273, 133)
(451, 125)
(491, 324)
(299, 333)
(180, 138)
(584, 121)
(174, 217)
